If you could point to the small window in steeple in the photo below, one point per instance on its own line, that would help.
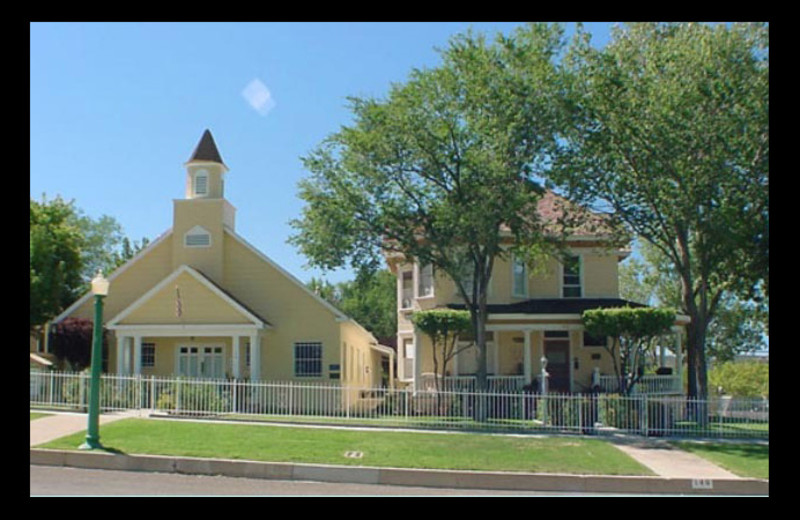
(201, 183)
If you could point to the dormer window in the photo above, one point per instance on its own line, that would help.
(201, 183)
(197, 237)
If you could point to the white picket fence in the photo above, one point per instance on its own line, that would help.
(502, 410)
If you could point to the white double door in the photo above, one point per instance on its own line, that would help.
(206, 361)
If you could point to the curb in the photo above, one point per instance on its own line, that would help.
(401, 477)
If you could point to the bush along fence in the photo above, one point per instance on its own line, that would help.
(512, 411)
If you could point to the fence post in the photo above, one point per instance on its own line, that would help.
(233, 396)
(643, 414)
(80, 391)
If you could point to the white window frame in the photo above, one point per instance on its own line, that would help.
(418, 269)
(197, 176)
(216, 357)
(403, 303)
(580, 284)
(316, 358)
(515, 261)
(195, 232)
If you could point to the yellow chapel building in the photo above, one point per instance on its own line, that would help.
(200, 301)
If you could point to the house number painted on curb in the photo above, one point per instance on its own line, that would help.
(702, 483)
(353, 454)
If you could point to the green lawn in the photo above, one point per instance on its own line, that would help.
(379, 448)
(35, 415)
(743, 459)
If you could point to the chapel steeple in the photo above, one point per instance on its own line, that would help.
(205, 170)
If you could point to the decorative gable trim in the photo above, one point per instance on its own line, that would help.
(144, 252)
(114, 322)
(336, 312)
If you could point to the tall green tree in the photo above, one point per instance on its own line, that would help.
(370, 299)
(739, 325)
(55, 259)
(669, 129)
(67, 248)
(442, 168)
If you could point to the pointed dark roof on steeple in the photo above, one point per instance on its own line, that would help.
(206, 150)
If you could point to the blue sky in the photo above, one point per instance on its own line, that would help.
(116, 109)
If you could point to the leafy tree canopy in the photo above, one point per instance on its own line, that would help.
(440, 167)
(632, 331)
(669, 129)
(370, 299)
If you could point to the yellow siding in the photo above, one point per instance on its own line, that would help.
(360, 363)
(545, 283)
(131, 281)
(600, 276)
(295, 314)
(208, 214)
(199, 305)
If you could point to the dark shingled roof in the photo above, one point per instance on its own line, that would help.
(554, 306)
(206, 150)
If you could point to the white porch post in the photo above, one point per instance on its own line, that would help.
(137, 355)
(526, 356)
(235, 356)
(417, 356)
(121, 353)
(255, 357)
(678, 358)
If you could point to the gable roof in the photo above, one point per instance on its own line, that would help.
(124, 267)
(201, 279)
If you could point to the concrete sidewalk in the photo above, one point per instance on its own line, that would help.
(677, 471)
(60, 424)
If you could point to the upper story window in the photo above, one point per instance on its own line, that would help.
(406, 289)
(519, 282)
(201, 183)
(425, 281)
(571, 281)
(197, 237)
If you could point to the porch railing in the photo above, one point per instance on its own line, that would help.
(648, 384)
(497, 410)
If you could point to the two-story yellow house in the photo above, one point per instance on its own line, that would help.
(531, 317)
(200, 301)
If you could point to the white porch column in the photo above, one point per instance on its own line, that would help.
(235, 357)
(526, 356)
(255, 357)
(417, 359)
(137, 355)
(678, 357)
(121, 353)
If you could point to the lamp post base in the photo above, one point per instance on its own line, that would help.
(91, 444)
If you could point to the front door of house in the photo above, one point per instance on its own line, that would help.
(200, 361)
(557, 353)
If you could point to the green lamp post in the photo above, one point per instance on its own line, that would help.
(100, 290)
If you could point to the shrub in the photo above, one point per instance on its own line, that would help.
(742, 379)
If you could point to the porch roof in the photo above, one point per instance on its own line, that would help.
(554, 305)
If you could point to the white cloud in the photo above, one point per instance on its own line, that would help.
(259, 97)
